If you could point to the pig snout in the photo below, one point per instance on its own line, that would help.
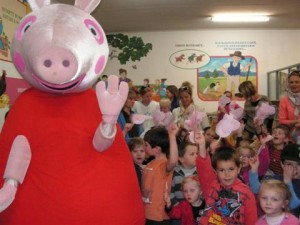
(56, 65)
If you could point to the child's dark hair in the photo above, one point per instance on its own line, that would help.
(182, 147)
(285, 128)
(225, 154)
(173, 89)
(134, 142)
(181, 135)
(158, 137)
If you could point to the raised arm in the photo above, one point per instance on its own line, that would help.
(111, 101)
(173, 157)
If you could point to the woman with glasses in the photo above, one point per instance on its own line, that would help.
(187, 106)
(289, 105)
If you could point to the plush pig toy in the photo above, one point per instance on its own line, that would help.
(63, 159)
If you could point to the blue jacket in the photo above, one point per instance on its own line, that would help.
(122, 122)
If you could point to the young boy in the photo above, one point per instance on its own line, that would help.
(280, 136)
(290, 161)
(137, 149)
(157, 175)
(228, 200)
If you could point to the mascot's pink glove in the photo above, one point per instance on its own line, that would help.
(15, 171)
(111, 101)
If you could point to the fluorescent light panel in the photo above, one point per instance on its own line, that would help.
(240, 18)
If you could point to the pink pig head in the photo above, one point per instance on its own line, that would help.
(60, 48)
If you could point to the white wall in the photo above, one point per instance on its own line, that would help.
(273, 49)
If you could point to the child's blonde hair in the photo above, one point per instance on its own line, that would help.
(252, 151)
(165, 102)
(189, 179)
(281, 187)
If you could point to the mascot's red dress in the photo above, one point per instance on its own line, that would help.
(63, 158)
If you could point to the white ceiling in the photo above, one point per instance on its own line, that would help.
(163, 15)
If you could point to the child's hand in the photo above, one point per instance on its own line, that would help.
(128, 127)
(288, 173)
(199, 138)
(254, 163)
(173, 129)
(167, 200)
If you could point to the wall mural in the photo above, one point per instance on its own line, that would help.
(225, 73)
(217, 74)
(126, 48)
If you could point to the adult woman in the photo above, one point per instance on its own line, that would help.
(146, 107)
(129, 129)
(289, 105)
(253, 101)
(172, 93)
(187, 106)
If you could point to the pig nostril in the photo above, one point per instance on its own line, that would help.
(66, 63)
(47, 63)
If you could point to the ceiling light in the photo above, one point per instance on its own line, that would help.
(236, 18)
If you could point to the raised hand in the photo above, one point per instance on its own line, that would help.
(254, 163)
(288, 172)
(111, 99)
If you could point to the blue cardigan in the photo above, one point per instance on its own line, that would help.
(122, 122)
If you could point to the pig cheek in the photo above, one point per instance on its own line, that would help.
(19, 62)
(100, 64)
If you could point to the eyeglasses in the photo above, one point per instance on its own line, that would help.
(245, 157)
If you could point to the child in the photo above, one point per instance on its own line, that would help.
(290, 160)
(274, 197)
(189, 210)
(280, 138)
(209, 135)
(165, 105)
(246, 153)
(137, 149)
(157, 175)
(182, 135)
(228, 200)
(187, 152)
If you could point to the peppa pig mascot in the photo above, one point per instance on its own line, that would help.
(63, 158)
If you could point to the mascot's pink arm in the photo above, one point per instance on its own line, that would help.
(15, 171)
(111, 101)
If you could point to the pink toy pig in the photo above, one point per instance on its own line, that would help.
(60, 140)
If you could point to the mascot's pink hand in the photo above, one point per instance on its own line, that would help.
(7, 195)
(139, 118)
(111, 99)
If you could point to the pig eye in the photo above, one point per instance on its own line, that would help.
(95, 30)
(25, 26)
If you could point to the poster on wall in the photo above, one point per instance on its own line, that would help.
(224, 73)
(11, 84)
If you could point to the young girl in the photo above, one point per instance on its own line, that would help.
(189, 210)
(274, 197)
(246, 152)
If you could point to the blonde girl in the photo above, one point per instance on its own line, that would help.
(274, 197)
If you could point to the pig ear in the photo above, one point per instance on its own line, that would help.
(37, 4)
(87, 5)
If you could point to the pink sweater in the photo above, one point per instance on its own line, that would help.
(286, 111)
(289, 219)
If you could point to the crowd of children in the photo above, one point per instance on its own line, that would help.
(195, 177)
